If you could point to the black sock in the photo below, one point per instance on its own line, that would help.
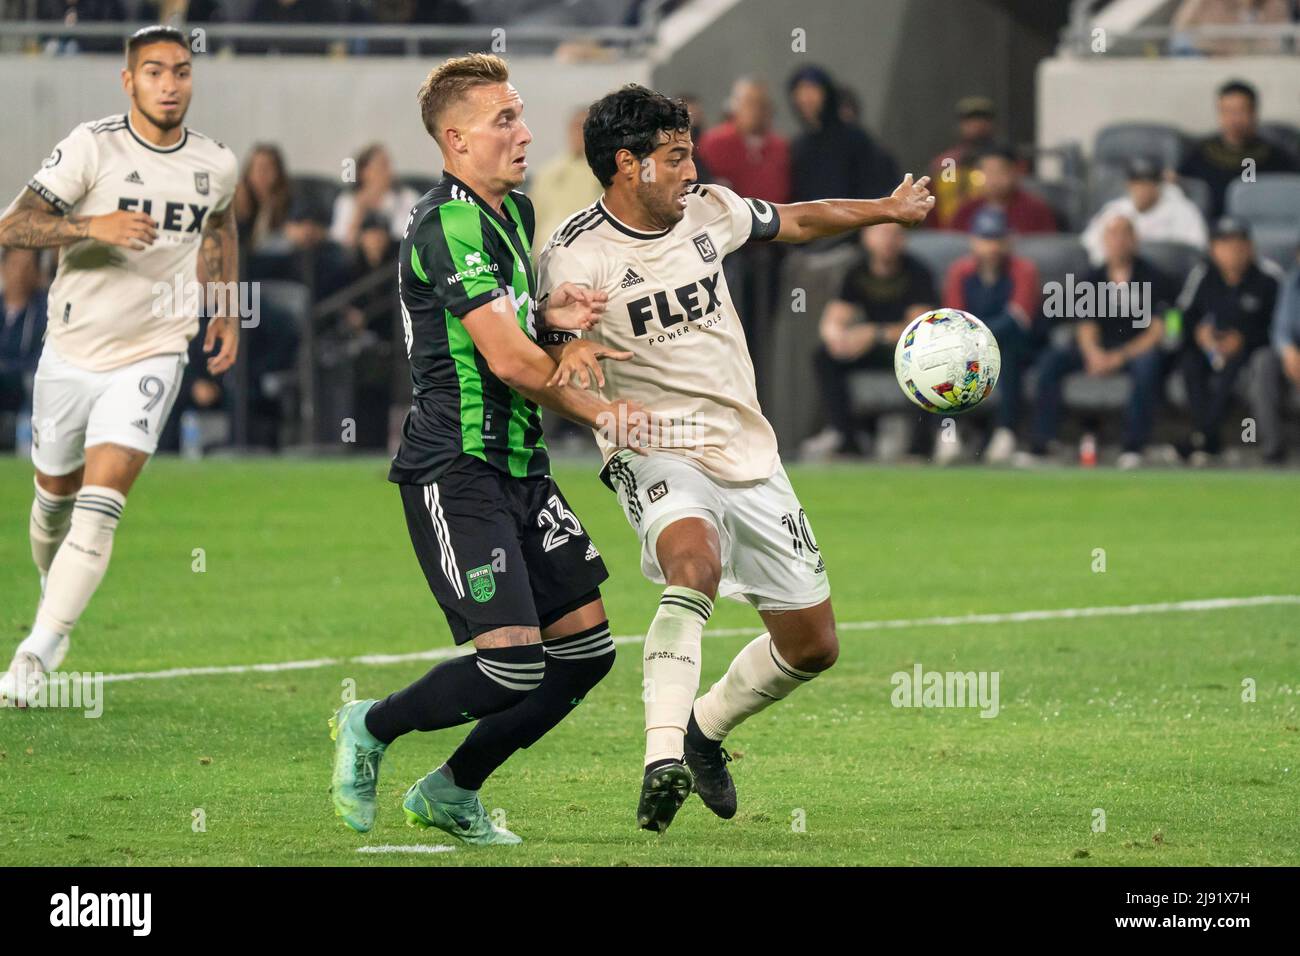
(460, 690)
(574, 665)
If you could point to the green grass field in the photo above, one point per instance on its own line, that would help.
(1140, 716)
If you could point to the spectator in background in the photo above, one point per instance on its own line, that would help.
(1003, 290)
(1275, 370)
(884, 290)
(22, 326)
(1111, 344)
(262, 197)
(831, 158)
(1159, 211)
(1217, 159)
(1199, 13)
(1227, 304)
(375, 191)
(743, 152)
(997, 178)
(563, 185)
(952, 172)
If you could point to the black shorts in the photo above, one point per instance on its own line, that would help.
(499, 551)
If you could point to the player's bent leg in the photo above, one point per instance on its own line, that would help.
(51, 515)
(437, 799)
(798, 645)
(507, 665)
(689, 553)
(579, 653)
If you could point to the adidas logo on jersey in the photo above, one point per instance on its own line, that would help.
(142, 424)
(630, 280)
(134, 177)
(592, 553)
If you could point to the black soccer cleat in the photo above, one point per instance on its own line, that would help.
(663, 791)
(707, 760)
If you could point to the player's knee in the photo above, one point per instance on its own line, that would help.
(95, 515)
(516, 670)
(819, 653)
(584, 657)
(699, 572)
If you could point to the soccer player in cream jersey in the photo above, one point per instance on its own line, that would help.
(133, 202)
(712, 505)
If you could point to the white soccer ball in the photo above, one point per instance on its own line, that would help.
(947, 361)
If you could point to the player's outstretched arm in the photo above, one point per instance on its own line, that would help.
(908, 205)
(219, 265)
(33, 222)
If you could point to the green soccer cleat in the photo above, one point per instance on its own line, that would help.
(356, 765)
(663, 791)
(426, 805)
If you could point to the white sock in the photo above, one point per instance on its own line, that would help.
(757, 678)
(672, 670)
(50, 647)
(51, 517)
(81, 561)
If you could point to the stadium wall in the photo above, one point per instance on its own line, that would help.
(319, 111)
(1078, 97)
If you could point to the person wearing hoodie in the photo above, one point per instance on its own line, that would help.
(831, 157)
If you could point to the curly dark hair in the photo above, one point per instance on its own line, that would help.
(630, 118)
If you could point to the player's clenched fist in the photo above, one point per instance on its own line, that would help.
(574, 307)
(134, 230)
(913, 200)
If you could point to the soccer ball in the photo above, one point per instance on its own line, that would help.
(947, 361)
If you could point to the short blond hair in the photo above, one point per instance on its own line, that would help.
(448, 83)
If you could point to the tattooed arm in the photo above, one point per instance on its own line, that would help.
(33, 222)
(219, 263)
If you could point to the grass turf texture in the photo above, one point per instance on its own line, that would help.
(1139, 716)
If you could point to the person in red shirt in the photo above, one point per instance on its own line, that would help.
(1000, 189)
(743, 152)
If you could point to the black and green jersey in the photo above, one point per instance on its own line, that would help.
(458, 254)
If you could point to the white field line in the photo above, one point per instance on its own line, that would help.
(1013, 617)
(405, 848)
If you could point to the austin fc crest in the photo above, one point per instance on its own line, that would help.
(704, 246)
(201, 183)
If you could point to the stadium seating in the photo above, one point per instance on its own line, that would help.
(1055, 256)
(1174, 259)
(1272, 200)
(938, 251)
(1115, 145)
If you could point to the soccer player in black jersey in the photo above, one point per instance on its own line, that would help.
(507, 559)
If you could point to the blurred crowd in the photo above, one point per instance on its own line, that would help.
(1226, 326)
(1224, 317)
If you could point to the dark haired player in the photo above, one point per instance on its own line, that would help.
(508, 561)
(711, 503)
(132, 201)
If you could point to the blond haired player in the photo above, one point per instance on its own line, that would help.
(134, 202)
(711, 503)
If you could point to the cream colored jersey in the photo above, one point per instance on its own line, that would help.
(669, 305)
(106, 307)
